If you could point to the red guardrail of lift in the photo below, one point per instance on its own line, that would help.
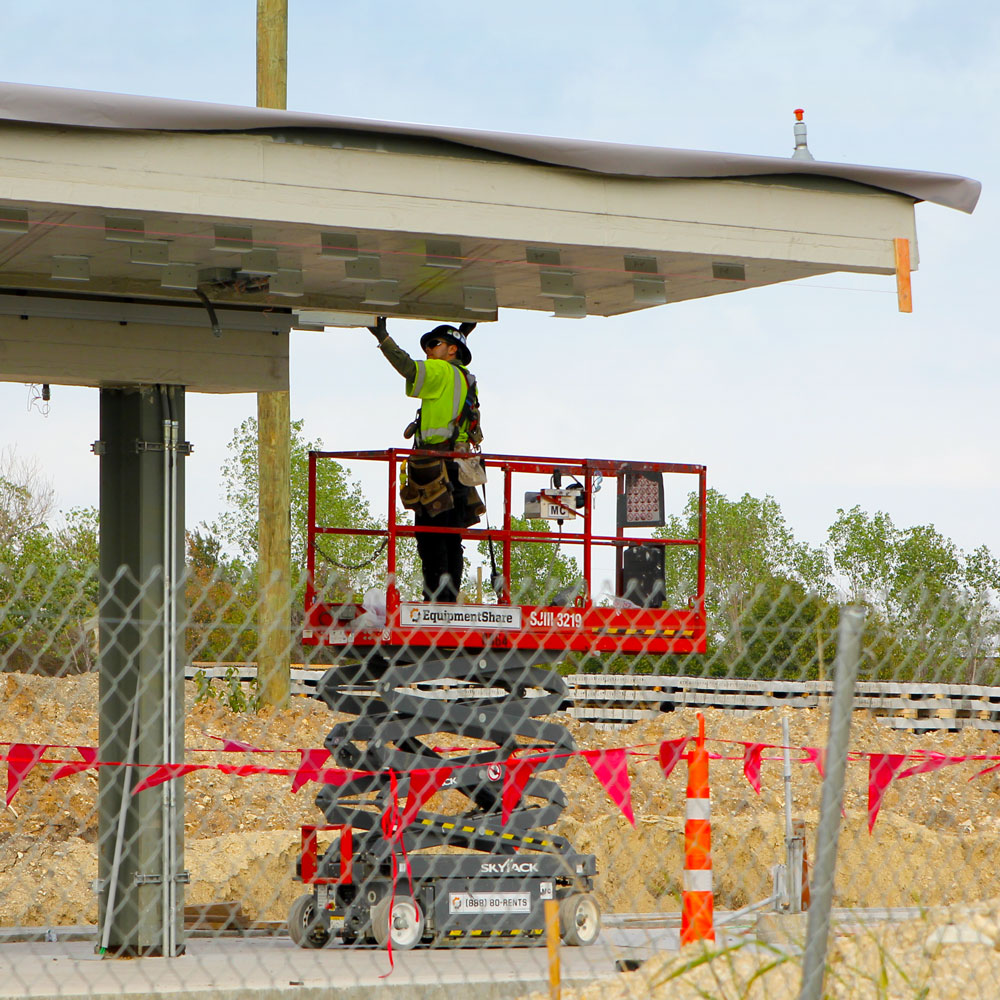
(630, 629)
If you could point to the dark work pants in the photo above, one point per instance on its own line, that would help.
(441, 555)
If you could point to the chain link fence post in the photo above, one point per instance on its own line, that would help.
(845, 667)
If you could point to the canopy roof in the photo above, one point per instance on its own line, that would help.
(131, 227)
(93, 109)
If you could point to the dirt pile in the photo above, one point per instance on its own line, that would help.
(934, 843)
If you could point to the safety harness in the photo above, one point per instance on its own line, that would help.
(467, 417)
(424, 480)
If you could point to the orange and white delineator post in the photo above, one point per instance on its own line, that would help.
(697, 900)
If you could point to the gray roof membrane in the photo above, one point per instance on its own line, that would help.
(93, 109)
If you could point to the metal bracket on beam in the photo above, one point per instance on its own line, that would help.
(182, 447)
(182, 877)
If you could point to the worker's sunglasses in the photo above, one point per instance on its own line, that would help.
(432, 343)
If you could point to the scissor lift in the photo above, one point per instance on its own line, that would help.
(481, 673)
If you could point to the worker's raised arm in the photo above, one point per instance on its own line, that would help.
(394, 354)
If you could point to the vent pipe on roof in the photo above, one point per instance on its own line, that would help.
(801, 151)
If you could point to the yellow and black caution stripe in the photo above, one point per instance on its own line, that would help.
(664, 633)
(537, 841)
(513, 932)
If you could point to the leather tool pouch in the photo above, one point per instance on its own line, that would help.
(427, 486)
(474, 507)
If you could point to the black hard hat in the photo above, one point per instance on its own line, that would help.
(452, 336)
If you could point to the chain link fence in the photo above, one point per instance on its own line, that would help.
(412, 810)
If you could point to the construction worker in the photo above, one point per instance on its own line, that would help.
(440, 492)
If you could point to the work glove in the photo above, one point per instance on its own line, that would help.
(379, 331)
(466, 328)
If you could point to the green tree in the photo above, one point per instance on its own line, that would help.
(48, 577)
(981, 598)
(761, 585)
(860, 547)
(221, 603)
(346, 565)
(935, 605)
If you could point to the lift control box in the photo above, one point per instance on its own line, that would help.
(554, 504)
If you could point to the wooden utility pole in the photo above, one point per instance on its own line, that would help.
(273, 425)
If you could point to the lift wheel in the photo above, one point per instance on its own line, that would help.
(406, 927)
(308, 924)
(579, 919)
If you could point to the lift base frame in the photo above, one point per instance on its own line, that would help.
(470, 898)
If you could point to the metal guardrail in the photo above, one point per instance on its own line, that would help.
(619, 699)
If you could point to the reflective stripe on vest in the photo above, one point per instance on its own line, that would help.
(418, 379)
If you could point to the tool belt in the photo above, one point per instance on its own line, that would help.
(427, 485)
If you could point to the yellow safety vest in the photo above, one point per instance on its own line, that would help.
(442, 388)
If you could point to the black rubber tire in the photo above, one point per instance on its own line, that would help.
(308, 924)
(407, 923)
(579, 920)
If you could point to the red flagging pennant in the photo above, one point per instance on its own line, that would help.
(236, 745)
(335, 776)
(516, 775)
(424, 782)
(167, 772)
(89, 755)
(309, 765)
(817, 756)
(390, 818)
(882, 768)
(671, 753)
(392, 827)
(986, 770)
(391, 824)
(21, 758)
(245, 770)
(610, 767)
(751, 763)
(933, 763)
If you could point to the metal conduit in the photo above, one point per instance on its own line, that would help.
(169, 798)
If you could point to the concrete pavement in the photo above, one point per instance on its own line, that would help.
(272, 968)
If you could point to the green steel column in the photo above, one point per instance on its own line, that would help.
(137, 519)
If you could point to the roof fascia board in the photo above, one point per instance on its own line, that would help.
(250, 177)
(88, 109)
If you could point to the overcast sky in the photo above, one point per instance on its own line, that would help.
(818, 392)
